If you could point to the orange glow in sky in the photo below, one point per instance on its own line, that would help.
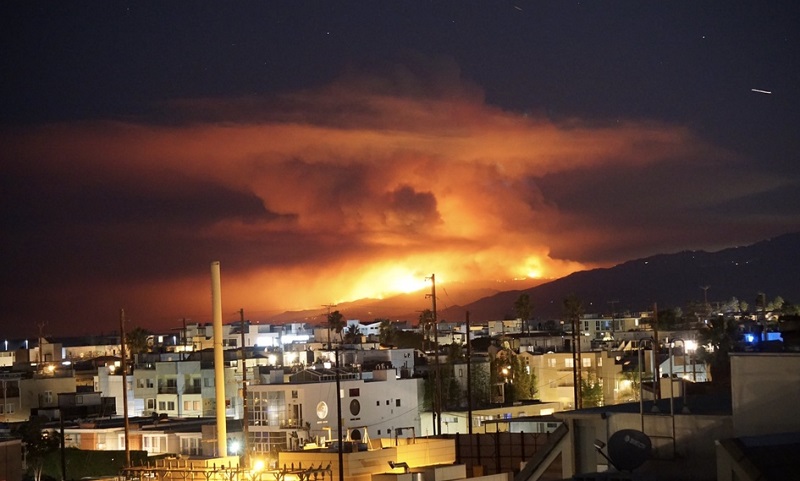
(335, 194)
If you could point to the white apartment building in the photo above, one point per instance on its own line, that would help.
(288, 415)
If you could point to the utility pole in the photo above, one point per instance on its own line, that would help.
(183, 335)
(469, 380)
(656, 344)
(706, 307)
(244, 395)
(437, 395)
(339, 416)
(124, 387)
(40, 354)
(612, 303)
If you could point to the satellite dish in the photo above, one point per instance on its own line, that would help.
(629, 449)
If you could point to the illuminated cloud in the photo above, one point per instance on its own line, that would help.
(358, 189)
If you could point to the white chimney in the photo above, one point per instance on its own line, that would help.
(219, 360)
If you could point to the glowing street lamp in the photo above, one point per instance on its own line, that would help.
(691, 347)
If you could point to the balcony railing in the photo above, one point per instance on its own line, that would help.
(167, 389)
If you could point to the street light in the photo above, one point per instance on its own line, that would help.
(691, 347)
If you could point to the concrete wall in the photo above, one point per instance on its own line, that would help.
(11, 460)
(766, 390)
(360, 466)
(694, 456)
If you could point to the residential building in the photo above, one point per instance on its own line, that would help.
(555, 380)
(287, 415)
(185, 388)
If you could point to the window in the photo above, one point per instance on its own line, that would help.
(551, 363)
(150, 383)
(599, 362)
(208, 382)
(354, 392)
(154, 443)
(162, 406)
(170, 405)
(387, 402)
(187, 405)
(355, 407)
(191, 446)
(294, 394)
(568, 362)
(587, 362)
(377, 403)
(397, 403)
(151, 404)
(196, 405)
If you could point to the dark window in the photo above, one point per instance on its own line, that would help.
(397, 403)
(354, 392)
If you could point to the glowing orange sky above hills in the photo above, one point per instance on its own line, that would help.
(343, 193)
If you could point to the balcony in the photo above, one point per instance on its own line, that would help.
(168, 389)
(291, 423)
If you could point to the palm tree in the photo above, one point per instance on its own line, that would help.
(386, 331)
(352, 334)
(335, 323)
(523, 308)
(137, 340)
(573, 310)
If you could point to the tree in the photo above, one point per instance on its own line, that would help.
(591, 392)
(455, 353)
(137, 340)
(352, 335)
(631, 392)
(717, 340)
(37, 444)
(479, 379)
(386, 331)
(523, 308)
(335, 323)
(573, 310)
(524, 385)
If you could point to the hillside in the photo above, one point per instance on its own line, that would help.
(671, 280)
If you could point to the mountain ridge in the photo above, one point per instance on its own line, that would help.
(670, 280)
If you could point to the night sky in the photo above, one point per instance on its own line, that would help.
(329, 151)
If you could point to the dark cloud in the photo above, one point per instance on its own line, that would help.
(408, 209)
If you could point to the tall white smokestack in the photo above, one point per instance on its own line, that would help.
(219, 360)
